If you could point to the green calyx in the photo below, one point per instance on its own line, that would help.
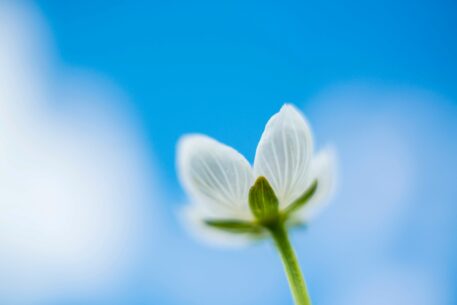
(235, 226)
(263, 202)
(264, 206)
(302, 200)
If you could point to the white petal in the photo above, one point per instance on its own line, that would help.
(215, 175)
(193, 218)
(284, 153)
(324, 170)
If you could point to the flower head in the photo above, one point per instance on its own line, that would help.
(234, 202)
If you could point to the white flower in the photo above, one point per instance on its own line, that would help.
(218, 179)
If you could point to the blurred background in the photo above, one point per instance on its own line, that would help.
(95, 94)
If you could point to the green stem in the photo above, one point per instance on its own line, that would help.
(291, 266)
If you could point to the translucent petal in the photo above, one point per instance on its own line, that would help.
(324, 170)
(215, 175)
(284, 153)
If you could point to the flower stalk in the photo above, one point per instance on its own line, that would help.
(264, 205)
(292, 268)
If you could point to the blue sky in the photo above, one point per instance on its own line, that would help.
(375, 79)
(188, 65)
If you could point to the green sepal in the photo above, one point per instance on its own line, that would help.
(263, 202)
(302, 200)
(234, 226)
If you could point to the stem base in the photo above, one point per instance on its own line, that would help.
(290, 263)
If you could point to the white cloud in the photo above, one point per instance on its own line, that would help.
(72, 177)
(397, 286)
(384, 239)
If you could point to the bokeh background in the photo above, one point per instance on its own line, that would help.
(95, 94)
